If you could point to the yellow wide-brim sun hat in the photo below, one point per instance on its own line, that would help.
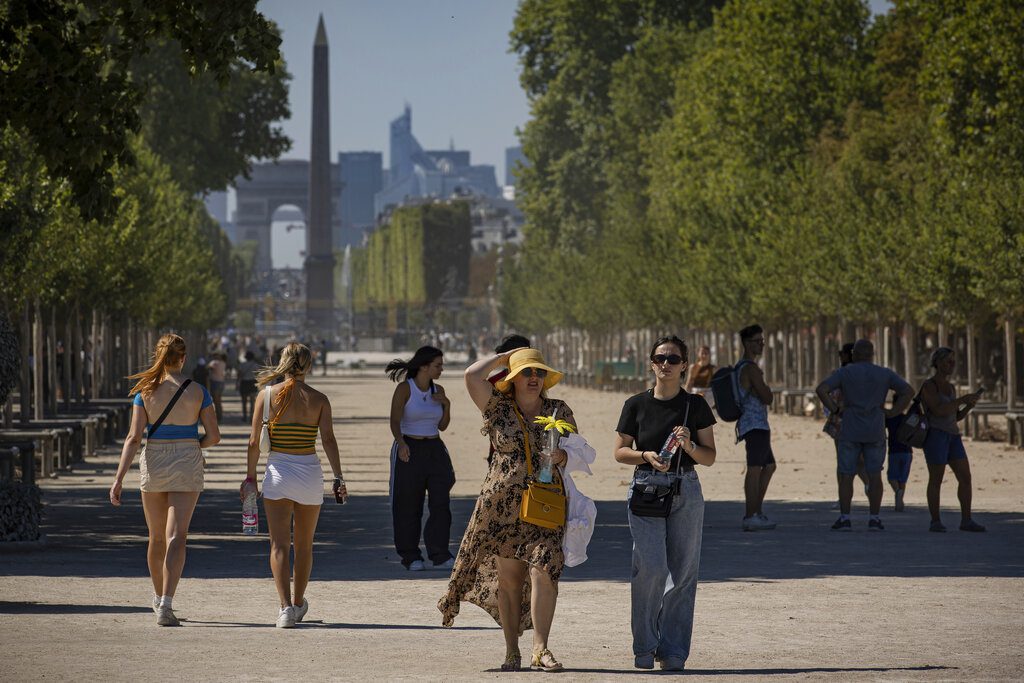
(527, 358)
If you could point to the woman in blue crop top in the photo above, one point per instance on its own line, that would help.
(171, 465)
(420, 464)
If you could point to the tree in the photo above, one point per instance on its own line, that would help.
(65, 75)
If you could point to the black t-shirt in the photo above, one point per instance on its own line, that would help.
(650, 420)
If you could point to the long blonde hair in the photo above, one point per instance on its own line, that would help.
(296, 359)
(169, 351)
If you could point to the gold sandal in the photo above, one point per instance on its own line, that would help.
(513, 662)
(545, 661)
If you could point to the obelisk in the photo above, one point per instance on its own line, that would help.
(319, 247)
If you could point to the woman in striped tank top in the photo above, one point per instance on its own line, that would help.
(420, 465)
(293, 483)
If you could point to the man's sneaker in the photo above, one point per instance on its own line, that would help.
(971, 525)
(156, 605)
(672, 663)
(875, 525)
(446, 565)
(415, 566)
(300, 610)
(286, 619)
(165, 617)
(768, 524)
(645, 661)
(937, 526)
(899, 499)
(843, 525)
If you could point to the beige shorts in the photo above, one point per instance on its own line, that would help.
(173, 466)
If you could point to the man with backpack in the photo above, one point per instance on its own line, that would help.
(753, 397)
(865, 387)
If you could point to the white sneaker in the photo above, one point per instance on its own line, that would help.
(767, 523)
(156, 605)
(165, 617)
(446, 565)
(416, 566)
(300, 610)
(752, 523)
(286, 619)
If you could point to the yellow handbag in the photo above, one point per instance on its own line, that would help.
(543, 504)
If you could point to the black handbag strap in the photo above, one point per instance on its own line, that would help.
(167, 410)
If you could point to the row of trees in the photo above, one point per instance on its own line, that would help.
(706, 164)
(419, 259)
(116, 119)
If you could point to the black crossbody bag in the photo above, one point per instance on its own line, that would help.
(167, 410)
(650, 500)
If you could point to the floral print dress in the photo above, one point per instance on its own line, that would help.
(495, 529)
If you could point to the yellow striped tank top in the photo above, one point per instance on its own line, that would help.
(293, 437)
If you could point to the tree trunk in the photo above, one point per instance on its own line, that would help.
(942, 333)
(801, 378)
(887, 359)
(972, 358)
(1009, 330)
(38, 353)
(786, 344)
(68, 355)
(910, 351)
(25, 343)
(51, 356)
(819, 351)
(94, 354)
(79, 346)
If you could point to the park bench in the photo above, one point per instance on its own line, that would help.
(794, 400)
(15, 455)
(84, 434)
(1015, 427)
(107, 429)
(48, 441)
(979, 416)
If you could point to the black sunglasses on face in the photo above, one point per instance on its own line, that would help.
(541, 373)
(673, 359)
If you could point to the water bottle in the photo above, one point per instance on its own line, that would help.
(545, 476)
(670, 447)
(250, 515)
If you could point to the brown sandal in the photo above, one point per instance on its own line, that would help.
(513, 662)
(545, 661)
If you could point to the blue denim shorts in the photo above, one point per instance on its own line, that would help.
(848, 452)
(940, 447)
(899, 466)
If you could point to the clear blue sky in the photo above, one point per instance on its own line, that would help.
(448, 59)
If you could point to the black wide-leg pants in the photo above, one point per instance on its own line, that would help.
(428, 474)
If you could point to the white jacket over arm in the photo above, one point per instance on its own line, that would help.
(581, 512)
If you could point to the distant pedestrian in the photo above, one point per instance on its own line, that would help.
(865, 387)
(666, 549)
(169, 408)
(752, 428)
(218, 369)
(201, 373)
(944, 445)
(698, 376)
(293, 482)
(247, 384)
(834, 421)
(900, 458)
(420, 465)
(323, 356)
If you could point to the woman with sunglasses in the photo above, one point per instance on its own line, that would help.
(506, 565)
(664, 547)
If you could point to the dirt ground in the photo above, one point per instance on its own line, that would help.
(800, 602)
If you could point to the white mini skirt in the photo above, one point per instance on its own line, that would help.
(297, 478)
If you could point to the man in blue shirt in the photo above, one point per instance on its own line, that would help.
(865, 387)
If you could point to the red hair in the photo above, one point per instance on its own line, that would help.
(169, 351)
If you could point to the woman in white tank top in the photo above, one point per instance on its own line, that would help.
(420, 465)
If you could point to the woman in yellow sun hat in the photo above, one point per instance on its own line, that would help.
(505, 565)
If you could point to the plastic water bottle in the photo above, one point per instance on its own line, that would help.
(545, 475)
(670, 447)
(250, 515)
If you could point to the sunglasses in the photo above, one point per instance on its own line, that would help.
(673, 359)
(541, 373)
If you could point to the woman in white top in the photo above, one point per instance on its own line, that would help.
(420, 464)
